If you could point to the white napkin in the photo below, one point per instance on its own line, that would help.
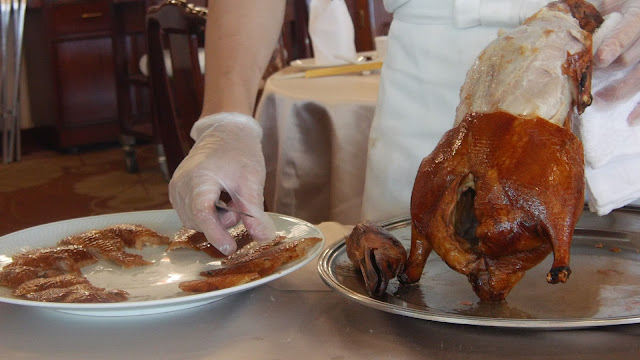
(331, 31)
(611, 145)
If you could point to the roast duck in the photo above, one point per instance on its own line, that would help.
(505, 187)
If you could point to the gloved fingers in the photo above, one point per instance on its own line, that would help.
(203, 216)
(261, 227)
(620, 40)
(208, 222)
(217, 234)
(629, 57)
(229, 219)
(608, 6)
(622, 90)
(634, 118)
(251, 201)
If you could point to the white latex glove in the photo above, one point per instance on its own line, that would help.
(227, 156)
(620, 48)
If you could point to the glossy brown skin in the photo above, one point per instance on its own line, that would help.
(80, 293)
(41, 284)
(495, 197)
(136, 236)
(69, 258)
(378, 255)
(108, 244)
(257, 262)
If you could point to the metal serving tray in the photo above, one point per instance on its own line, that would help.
(604, 288)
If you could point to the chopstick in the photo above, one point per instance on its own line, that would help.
(334, 70)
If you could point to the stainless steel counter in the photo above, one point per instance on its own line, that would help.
(294, 317)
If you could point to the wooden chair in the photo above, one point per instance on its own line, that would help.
(175, 33)
(295, 41)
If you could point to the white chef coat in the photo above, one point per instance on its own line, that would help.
(432, 44)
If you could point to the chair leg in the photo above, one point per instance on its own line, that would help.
(128, 143)
(162, 161)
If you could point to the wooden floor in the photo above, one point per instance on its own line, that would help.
(47, 185)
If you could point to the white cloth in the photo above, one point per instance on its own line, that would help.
(611, 145)
(331, 31)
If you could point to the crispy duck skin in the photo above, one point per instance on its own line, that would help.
(262, 266)
(217, 282)
(505, 186)
(80, 293)
(41, 284)
(294, 249)
(250, 250)
(69, 258)
(191, 239)
(137, 236)
(108, 244)
(377, 253)
(54, 274)
(195, 240)
(261, 261)
(268, 261)
(12, 277)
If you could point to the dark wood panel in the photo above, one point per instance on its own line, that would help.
(82, 59)
(86, 82)
(100, 133)
(83, 17)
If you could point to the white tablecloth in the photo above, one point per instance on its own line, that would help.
(315, 140)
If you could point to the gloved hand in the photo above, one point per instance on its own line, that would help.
(227, 156)
(620, 47)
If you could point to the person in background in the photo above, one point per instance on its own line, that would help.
(432, 44)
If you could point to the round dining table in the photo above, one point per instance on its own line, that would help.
(315, 140)
(293, 317)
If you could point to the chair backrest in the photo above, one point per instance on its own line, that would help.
(295, 38)
(175, 35)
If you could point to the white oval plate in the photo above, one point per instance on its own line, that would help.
(153, 289)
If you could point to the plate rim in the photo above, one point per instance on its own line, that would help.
(112, 309)
(325, 262)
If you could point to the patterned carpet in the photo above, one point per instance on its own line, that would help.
(48, 186)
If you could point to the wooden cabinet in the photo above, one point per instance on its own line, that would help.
(79, 83)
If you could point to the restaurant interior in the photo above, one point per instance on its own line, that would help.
(89, 94)
(107, 92)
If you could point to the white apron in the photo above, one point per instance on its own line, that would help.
(424, 68)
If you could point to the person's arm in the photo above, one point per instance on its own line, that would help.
(227, 156)
(240, 37)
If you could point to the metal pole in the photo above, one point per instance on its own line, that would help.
(19, 7)
(12, 28)
(5, 11)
